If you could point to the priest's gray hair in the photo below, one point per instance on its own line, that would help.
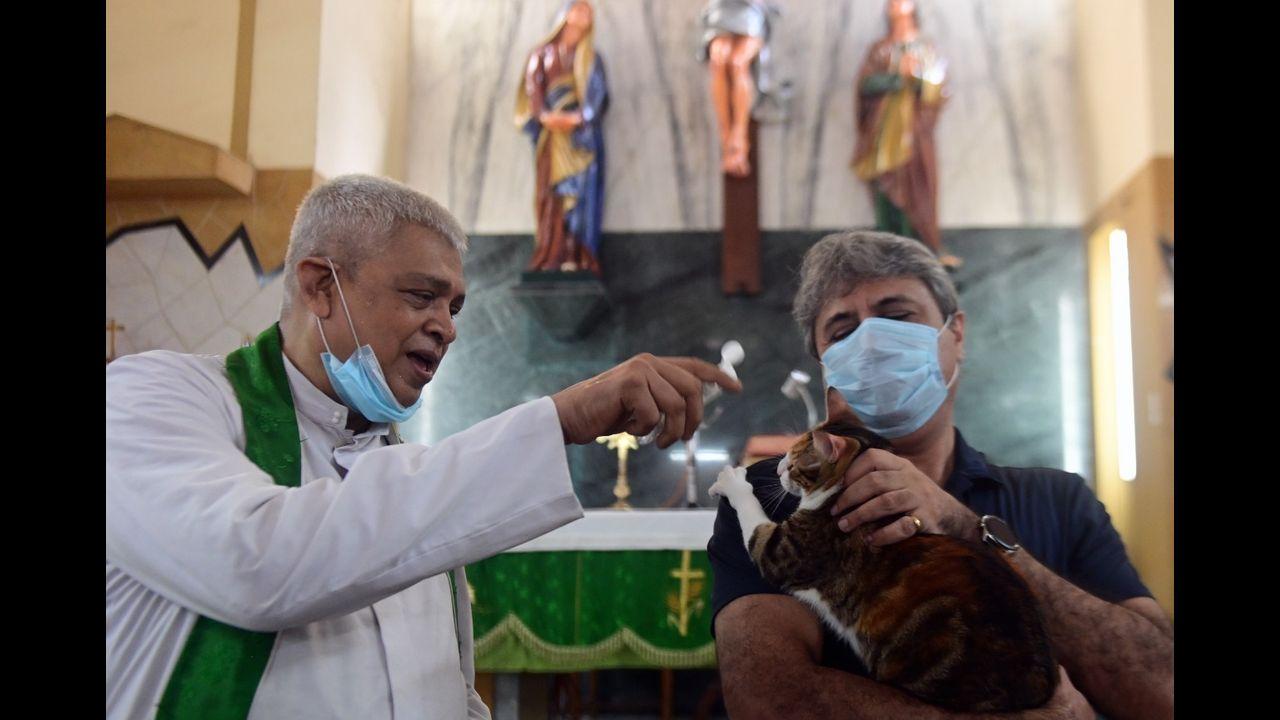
(838, 263)
(352, 217)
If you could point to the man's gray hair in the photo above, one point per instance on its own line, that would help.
(838, 263)
(352, 217)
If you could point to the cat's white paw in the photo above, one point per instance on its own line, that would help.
(731, 481)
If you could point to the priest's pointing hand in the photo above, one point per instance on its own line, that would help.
(634, 396)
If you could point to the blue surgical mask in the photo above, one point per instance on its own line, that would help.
(359, 381)
(888, 372)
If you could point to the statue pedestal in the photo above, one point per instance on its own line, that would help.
(568, 305)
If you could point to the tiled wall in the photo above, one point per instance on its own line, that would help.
(168, 294)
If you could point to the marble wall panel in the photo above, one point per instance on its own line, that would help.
(1008, 145)
(1026, 394)
(1024, 397)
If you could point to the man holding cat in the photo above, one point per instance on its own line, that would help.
(882, 315)
(273, 549)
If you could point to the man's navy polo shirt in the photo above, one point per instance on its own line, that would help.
(1055, 515)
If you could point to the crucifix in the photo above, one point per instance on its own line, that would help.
(736, 47)
(112, 327)
(623, 443)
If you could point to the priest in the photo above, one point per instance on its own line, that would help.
(273, 548)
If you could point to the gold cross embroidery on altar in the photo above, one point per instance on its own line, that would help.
(689, 600)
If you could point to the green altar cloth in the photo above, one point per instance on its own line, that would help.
(571, 611)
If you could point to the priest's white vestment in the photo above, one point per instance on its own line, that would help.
(349, 569)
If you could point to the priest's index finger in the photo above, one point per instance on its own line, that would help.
(706, 372)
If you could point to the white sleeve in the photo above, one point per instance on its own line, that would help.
(476, 709)
(191, 517)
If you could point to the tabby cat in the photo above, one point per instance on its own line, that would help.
(947, 620)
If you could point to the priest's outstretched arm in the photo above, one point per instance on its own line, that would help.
(192, 517)
(189, 515)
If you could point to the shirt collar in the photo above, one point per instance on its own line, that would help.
(970, 465)
(310, 402)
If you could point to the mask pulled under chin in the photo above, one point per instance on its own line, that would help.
(359, 381)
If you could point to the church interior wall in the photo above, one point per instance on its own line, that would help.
(1033, 147)
(1009, 151)
(172, 65)
(364, 88)
(282, 111)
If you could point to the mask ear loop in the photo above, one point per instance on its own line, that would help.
(955, 374)
(322, 337)
(345, 310)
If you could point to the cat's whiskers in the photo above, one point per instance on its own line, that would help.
(776, 500)
(776, 494)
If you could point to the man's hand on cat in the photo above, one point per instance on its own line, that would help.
(631, 397)
(880, 484)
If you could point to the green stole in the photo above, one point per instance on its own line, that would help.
(220, 666)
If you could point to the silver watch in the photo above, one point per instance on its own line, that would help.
(998, 534)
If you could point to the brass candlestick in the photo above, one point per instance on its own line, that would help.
(623, 443)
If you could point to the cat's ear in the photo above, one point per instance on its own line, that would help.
(822, 443)
(828, 446)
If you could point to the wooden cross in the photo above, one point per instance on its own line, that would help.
(112, 327)
(740, 247)
(687, 601)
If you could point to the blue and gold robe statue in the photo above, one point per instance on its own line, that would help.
(564, 80)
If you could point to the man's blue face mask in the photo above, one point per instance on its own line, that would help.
(359, 381)
(888, 372)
